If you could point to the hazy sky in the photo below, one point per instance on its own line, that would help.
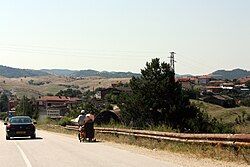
(122, 35)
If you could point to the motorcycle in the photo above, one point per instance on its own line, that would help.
(87, 132)
(81, 134)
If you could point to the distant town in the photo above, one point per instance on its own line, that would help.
(210, 88)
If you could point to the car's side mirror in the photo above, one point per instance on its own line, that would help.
(34, 122)
(5, 123)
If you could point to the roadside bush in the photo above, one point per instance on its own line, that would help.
(248, 118)
(65, 121)
(3, 103)
(3, 115)
(73, 113)
(192, 120)
(109, 107)
(246, 102)
(48, 121)
(192, 93)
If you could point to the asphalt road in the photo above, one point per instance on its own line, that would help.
(50, 149)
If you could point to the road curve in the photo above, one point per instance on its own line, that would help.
(50, 150)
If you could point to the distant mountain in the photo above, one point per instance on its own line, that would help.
(17, 72)
(59, 72)
(231, 74)
(106, 74)
(183, 76)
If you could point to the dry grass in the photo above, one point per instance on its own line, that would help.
(218, 152)
(55, 128)
(21, 87)
(227, 115)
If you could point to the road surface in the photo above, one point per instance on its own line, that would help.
(51, 150)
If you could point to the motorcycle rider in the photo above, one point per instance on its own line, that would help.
(81, 118)
(81, 122)
(89, 127)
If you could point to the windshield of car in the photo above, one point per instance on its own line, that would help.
(20, 120)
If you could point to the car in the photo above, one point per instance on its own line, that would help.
(20, 126)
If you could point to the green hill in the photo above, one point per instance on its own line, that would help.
(228, 115)
(106, 74)
(59, 72)
(89, 73)
(10, 72)
(231, 74)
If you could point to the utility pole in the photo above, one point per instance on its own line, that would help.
(172, 61)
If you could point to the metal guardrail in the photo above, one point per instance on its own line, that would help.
(223, 139)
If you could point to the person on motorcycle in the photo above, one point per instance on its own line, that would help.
(81, 118)
(81, 122)
(89, 127)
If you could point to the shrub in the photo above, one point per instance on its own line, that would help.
(65, 121)
(246, 102)
(3, 115)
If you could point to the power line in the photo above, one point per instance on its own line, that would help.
(78, 55)
(86, 50)
(196, 62)
(106, 54)
(188, 66)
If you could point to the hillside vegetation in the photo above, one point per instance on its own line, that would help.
(231, 74)
(53, 84)
(90, 73)
(11, 72)
(16, 72)
(228, 115)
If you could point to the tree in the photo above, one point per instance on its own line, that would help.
(69, 93)
(49, 94)
(90, 108)
(157, 99)
(156, 95)
(26, 108)
(4, 103)
(248, 84)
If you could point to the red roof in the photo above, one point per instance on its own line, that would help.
(193, 79)
(74, 99)
(205, 77)
(213, 87)
(183, 79)
(244, 80)
(57, 98)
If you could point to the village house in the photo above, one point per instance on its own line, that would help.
(55, 106)
(12, 104)
(187, 83)
(204, 80)
(241, 88)
(244, 80)
(215, 83)
(102, 92)
(228, 85)
(214, 89)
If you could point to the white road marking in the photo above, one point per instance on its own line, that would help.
(27, 162)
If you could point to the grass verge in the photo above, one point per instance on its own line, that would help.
(55, 128)
(228, 115)
(218, 152)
